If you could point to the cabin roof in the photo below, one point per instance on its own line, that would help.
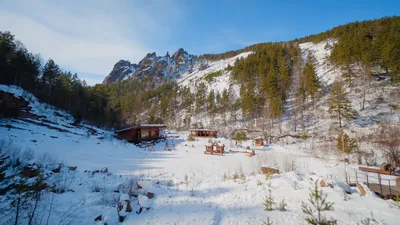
(143, 126)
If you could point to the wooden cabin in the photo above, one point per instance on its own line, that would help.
(143, 132)
(204, 133)
(258, 142)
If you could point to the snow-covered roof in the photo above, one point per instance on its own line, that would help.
(143, 126)
(202, 129)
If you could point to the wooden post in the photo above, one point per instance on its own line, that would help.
(390, 190)
(347, 182)
(367, 180)
(380, 183)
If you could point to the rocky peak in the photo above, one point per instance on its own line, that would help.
(179, 52)
(121, 70)
(152, 65)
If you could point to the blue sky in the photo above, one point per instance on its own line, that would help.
(89, 37)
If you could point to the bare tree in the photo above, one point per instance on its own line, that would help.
(387, 136)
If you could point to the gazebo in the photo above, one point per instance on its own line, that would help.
(203, 133)
(143, 132)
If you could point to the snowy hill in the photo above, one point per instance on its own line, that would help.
(189, 186)
(197, 74)
(321, 51)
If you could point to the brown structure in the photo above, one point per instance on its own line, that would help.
(144, 132)
(258, 142)
(206, 133)
(215, 149)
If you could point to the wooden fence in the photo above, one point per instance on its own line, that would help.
(385, 186)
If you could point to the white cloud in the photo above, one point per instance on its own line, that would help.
(88, 37)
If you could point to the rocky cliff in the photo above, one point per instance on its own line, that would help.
(167, 67)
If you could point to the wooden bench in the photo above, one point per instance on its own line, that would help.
(209, 149)
(219, 149)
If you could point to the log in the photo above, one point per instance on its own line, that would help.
(268, 170)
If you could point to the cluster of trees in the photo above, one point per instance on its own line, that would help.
(265, 78)
(51, 84)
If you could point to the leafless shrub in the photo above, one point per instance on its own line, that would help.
(388, 137)
(370, 158)
(26, 156)
(5, 145)
(63, 180)
(129, 187)
(15, 155)
(95, 185)
(289, 165)
(46, 160)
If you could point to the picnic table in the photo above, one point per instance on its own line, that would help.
(149, 147)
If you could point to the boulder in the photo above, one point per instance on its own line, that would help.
(322, 183)
(128, 206)
(104, 170)
(150, 195)
(30, 171)
(72, 168)
(98, 218)
(58, 169)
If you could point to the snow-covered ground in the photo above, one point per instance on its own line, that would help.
(191, 187)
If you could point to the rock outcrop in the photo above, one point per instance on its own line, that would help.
(166, 67)
(121, 70)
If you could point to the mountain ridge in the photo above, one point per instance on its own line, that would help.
(166, 67)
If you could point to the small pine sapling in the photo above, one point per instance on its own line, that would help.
(269, 199)
(268, 222)
(243, 177)
(186, 180)
(282, 205)
(295, 185)
(317, 205)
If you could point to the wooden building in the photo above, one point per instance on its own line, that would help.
(143, 132)
(258, 142)
(206, 133)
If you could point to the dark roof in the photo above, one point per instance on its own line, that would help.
(143, 126)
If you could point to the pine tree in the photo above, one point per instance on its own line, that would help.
(345, 144)
(211, 103)
(311, 81)
(339, 105)
(51, 72)
(317, 205)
